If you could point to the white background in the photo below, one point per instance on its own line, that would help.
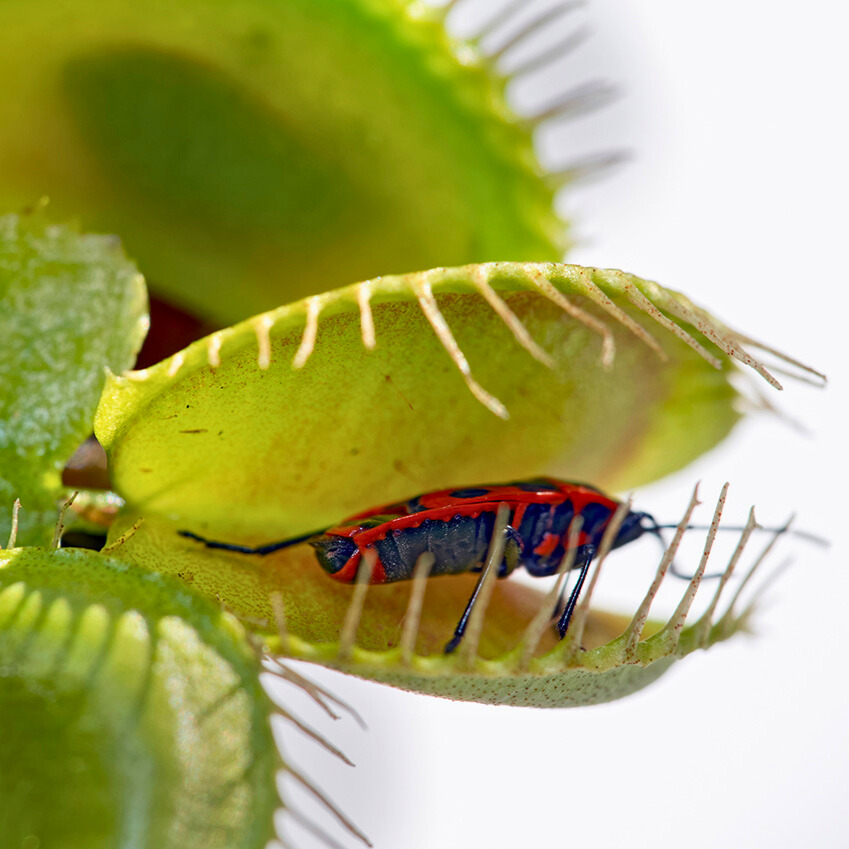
(734, 113)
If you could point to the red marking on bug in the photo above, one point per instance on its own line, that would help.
(348, 573)
(548, 544)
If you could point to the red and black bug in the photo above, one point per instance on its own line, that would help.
(456, 526)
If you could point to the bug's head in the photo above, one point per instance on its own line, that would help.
(634, 526)
(335, 547)
(332, 551)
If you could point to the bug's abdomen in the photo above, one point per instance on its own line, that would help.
(459, 544)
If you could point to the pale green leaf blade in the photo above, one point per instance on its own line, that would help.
(71, 305)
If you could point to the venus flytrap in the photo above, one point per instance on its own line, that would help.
(573, 370)
(251, 154)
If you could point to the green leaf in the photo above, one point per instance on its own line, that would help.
(251, 153)
(297, 418)
(70, 305)
(138, 715)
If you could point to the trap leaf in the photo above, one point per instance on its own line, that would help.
(396, 633)
(136, 708)
(251, 153)
(70, 305)
(400, 385)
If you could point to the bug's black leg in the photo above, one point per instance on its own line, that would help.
(511, 555)
(245, 549)
(566, 616)
(577, 565)
(452, 644)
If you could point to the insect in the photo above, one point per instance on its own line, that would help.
(456, 526)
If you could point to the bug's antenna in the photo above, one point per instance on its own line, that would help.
(655, 530)
(247, 549)
(784, 529)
